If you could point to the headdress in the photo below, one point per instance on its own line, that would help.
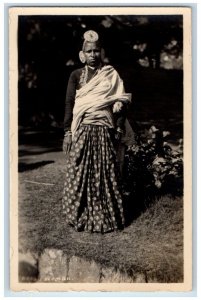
(90, 36)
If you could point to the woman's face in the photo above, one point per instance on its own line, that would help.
(92, 53)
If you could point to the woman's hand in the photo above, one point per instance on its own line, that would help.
(67, 142)
(117, 106)
(118, 134)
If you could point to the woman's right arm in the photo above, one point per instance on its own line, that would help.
(70, 100)
(68, 116)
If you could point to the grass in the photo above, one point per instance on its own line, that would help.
(152, 244)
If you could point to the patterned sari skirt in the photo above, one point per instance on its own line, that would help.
(92, 198)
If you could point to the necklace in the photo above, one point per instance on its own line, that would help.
(85, 73)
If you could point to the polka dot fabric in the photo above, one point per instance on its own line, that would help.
(92, 199)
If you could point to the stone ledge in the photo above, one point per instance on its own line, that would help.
(55, 266)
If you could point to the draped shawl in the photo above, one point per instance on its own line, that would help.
(92, 101)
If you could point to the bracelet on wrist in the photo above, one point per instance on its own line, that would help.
(120, 130)
(67, 133)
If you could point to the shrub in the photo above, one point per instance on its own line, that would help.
(153, 165)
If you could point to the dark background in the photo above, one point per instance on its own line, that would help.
(145, 50)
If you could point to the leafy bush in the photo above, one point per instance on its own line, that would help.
(153, 166)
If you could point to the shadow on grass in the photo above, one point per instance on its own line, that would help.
(22, 167)
(32, 150)
(136, 203)
(27, 273)
(141, 198)
(35, 142)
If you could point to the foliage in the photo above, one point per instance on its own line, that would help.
(48, 48)
(154, 165)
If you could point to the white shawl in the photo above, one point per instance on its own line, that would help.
(94, 98)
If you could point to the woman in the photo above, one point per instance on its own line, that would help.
(92, 199)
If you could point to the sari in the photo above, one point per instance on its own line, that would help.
(92, 197)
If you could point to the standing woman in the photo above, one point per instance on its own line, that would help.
(92, 199)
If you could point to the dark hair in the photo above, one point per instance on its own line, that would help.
(98, 43)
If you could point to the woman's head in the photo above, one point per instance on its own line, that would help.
(91, 49)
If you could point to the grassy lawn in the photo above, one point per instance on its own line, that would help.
(151, 244)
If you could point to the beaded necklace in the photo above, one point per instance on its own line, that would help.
(84, 75)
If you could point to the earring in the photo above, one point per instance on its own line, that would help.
(82, 57)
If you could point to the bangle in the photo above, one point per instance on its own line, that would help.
(67, 133)
(119, 130)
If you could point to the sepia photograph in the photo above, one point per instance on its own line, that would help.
(100, 148)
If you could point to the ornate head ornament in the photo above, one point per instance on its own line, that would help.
(90, 36)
